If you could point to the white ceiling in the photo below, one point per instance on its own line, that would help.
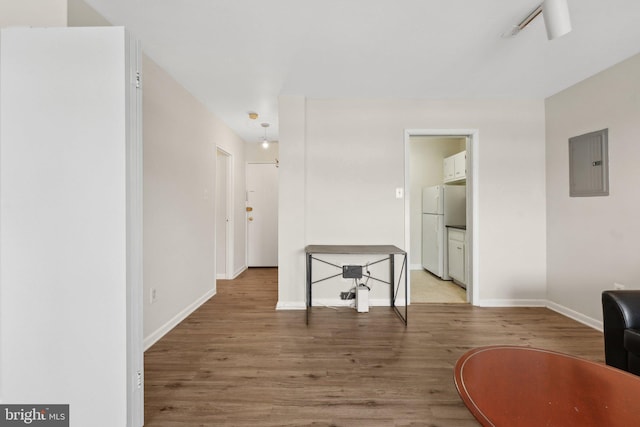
(238, 56)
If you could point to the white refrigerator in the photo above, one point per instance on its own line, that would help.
(442, 205)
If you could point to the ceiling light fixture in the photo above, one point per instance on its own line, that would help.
(253, 115)
(265, 141)
(556, 19)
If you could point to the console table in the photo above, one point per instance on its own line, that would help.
(389, 253)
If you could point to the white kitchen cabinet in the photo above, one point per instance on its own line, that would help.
(448, 169)
(457, 255)
(455, 167)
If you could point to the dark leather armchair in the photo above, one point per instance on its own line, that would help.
(621, 318)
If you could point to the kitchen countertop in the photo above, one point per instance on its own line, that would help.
(459, 227)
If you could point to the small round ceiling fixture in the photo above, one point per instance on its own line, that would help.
(265, 142)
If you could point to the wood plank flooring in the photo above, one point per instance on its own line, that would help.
(238, 362)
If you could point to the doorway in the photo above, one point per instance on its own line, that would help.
(224, 215)
(429, 156)
(262, 214)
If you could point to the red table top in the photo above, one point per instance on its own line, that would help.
(507, 386)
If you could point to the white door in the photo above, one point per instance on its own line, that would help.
(223, 216)
(262, 215)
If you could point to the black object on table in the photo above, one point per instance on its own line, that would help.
(389, 251)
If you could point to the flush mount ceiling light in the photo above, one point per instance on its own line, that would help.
(265, 141)
(253, 115)
(556, 19)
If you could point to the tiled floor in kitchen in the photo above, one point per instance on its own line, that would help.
(427, 288)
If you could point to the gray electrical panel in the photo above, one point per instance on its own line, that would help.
(589, 164)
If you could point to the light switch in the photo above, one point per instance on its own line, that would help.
(399, 193)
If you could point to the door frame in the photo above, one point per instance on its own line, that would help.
(228, 274)
(473, 185)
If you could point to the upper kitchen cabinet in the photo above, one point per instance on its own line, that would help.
(455, 167)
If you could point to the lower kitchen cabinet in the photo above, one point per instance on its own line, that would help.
(457, 255)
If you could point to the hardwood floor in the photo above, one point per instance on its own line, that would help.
(238, 362)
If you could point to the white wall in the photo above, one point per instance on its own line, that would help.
(426, 154)
(291, 203)
(65, 199)
(592, 242)
(80, 14)
(33, 13)
(223, 137)
(222, 212)
(341, 161)
(255, 153)
(180, 139)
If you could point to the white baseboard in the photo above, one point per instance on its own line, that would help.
(512, 303)
(565, 311)
(337, 302)
(175, 321)
(334, 302)
(239, 271)
(291, 305)
(416, 267)
(579, 317)
(399, 302)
